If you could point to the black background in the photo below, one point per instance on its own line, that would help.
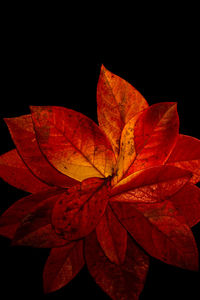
(47, 64)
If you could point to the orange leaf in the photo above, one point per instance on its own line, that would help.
(112, 237)
(11, 218)
(77, 214)
(186, 155)
(150, 185)
(15, 172)
(62, 265)
(160, 230)
(118, 102)
(147, 139)
(187, 202)
(23, 135)
(123, 281)
(73, 143)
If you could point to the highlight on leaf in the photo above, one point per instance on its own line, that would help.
(108, 195)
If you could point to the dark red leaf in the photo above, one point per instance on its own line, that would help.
(187, 202)
(112, 237)
(23, 135)
(123, 281)
(186, 155)
(77, 214)
(15, 172)
(11, 218)
(62, 265)
(160, 230)
(35, 229)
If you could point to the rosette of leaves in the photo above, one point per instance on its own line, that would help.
(106, 195)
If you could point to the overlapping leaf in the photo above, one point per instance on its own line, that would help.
(186, 155)
(123, 281)
(77, 215)
(11, 218)
(36, 230)
(150, 185)
(23, 134)
(73, 143)
(62, 265)
(15, 172)
(112, 237)
(117, 103)
(160, 230)
(143, 141)
(133, 176)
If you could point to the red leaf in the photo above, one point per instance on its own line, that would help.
(123, 281)
(187, 202)
(11, 218)
(62, 265)
(186, 155)
(15, 172)
(73, 143)
(147, 139)
(117, 102)
(112, 237)
(77, 214)
(160, 231)
(36, 230)
(150, 185)
(23, 135)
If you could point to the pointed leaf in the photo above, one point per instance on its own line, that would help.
(36, 230)
(15, 172)
(186, 155)
(23, 135)
(187, 203)
(73, 143)
(11, 218)
(123, 281)
(112, 237)
(150, 185)
(147, 139)
(118, 102)
(160, 231)
(62, 265)
(77, 214)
